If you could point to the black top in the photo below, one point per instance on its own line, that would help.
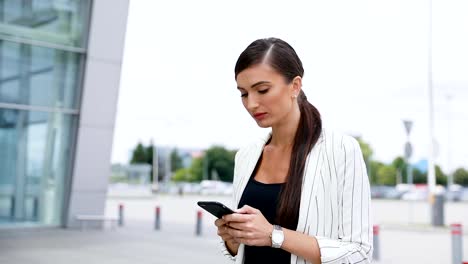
(263, 197)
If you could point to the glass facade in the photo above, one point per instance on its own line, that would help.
(59, 22)
(42, 53)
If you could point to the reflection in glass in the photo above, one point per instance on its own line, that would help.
(38, 76)
(35, 158)
(60, 22)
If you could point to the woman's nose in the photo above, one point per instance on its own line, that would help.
(252, 103)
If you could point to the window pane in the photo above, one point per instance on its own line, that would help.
(35, 157)
(39, 76)
(58, 22)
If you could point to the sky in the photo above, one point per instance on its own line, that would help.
(366, 70)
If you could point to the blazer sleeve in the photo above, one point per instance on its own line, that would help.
(235, 183)
(354, 243)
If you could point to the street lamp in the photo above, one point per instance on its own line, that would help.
(436, 201)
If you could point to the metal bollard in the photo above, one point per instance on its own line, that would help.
(121, 215)
(437, 210)
(199, 224)
(376, 254)
(157, 219)
(457, 243)
(35, 214)
(12, 207)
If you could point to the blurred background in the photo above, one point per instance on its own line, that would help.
(117, 116)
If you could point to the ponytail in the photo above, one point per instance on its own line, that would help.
(307, 134)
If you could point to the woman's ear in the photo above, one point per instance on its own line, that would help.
(296, 86)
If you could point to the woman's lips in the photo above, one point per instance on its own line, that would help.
(260, 116)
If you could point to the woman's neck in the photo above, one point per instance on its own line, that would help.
(284, 132)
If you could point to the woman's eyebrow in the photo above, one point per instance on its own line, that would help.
(254, 85)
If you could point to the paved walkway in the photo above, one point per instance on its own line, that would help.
(176, 243)
(127, 245)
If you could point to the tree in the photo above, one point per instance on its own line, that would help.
(367, 153)
(374, 168)
(366, 149)
(149, 158)
(143, 154)
(139, 154)
(221, 160)
(176, 161)
(192, 174)
(441, 178)
(419, 176)
(461, 176)
(181, 175)
(401, 166)
(386, 175)
(196, 169)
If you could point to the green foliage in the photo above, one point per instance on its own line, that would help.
(461, 176)
(401, 166)
(366, 149)
(176, 161)
(419, 176)
(374, 168)
(441, 178)
(386, 175)
(196, 170)
(221, 160)
(139, 154)
(183, 175)
(143, 154)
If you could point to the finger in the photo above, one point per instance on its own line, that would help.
(240, 225)
(227, 237)
(222, 230)
(236, 217)
(219, 222)
(236, 233)
(247, 210)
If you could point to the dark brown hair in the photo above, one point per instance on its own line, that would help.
(283, 58)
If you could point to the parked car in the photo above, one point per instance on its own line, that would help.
(454, 193)
(216, 187)
(464, 195)
(417, 192)
(379, 191)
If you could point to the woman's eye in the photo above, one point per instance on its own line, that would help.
(263, 91)
(244, 95)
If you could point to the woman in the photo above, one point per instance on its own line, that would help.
(302, 193)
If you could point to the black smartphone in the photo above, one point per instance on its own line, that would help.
(215, 208)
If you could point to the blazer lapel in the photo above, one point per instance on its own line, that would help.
(254, 153)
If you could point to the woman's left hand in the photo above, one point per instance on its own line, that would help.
(248, 226)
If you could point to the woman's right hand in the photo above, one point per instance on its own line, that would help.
(223, 228)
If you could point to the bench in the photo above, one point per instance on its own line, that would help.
(83, 219)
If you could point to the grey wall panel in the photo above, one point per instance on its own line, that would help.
(93, 154)
(98, 108)
(85, 202)
(99, 101)
(107, 35)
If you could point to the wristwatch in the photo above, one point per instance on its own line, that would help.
(277, 237)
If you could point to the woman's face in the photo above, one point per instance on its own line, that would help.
(266, 94)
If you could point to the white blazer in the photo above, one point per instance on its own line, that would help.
(335, 198)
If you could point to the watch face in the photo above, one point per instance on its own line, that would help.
(276, 237)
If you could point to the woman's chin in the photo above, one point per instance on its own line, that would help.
(263, 124)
